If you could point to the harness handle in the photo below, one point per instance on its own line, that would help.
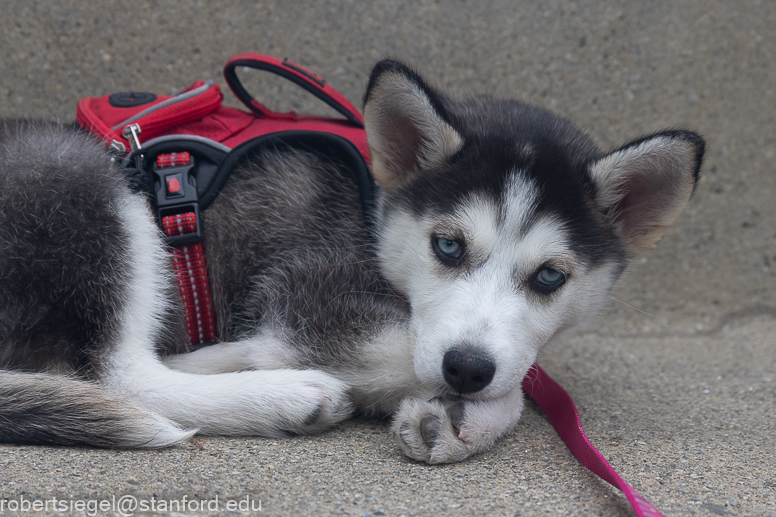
(294, 73)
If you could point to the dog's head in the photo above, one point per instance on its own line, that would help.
(505, 225)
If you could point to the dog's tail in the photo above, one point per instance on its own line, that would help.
(39, 408)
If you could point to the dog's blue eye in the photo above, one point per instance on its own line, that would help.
(449, 251)
(550, 276)
(448, 247)
(548, 280)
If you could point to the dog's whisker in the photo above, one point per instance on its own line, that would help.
(634, 308)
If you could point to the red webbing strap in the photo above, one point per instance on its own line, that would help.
(173, 160)
(189, 264)
(560, 409)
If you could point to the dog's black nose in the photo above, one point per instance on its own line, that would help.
(467, 371)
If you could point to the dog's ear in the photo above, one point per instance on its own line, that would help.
(406, 125)
(644, 186)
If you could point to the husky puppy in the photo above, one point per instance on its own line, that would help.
(499, 228)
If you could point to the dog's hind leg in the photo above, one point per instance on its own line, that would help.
(87, 290)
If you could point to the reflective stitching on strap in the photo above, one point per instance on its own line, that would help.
(173, 160)
(193, 286)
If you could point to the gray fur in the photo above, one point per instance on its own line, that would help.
(56, 197)
(289, 234)
(63, 282)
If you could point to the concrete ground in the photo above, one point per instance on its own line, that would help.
(676, 382)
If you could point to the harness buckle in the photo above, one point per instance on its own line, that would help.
(176, 193)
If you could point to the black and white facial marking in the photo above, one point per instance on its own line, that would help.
(505, 225)
(516, 279)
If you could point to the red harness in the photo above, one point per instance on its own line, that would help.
(193, 143)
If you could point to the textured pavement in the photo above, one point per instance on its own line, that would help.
(676, 382)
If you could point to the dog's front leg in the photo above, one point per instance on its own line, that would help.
(446, 431)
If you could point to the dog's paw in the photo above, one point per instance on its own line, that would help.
(313, 402)
(446, 431)
(430, 431)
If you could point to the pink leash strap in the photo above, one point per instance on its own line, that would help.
(560, 409)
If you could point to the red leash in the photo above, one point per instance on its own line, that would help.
(560, 409)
